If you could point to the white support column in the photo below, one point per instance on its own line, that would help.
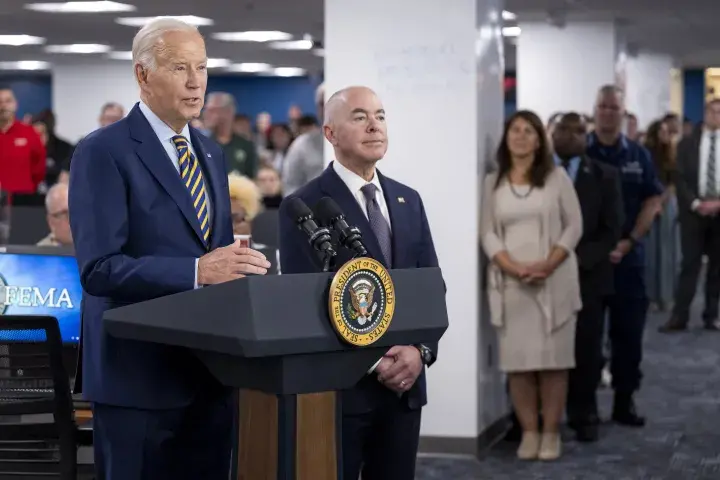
(648, 86)
(80, 90)
(561, 69)
(421, 59)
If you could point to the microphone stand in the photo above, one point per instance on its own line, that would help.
(328, 257)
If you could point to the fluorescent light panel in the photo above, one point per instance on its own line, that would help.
(120, 55)
(288, 72)
(507, 16)
(211, 63)
(82, 48)
(81, 7)
(142, 21)
(25, 65)
(19, 40)
(252, 36)
(511, 31)
(293, 45)
(218, 62)
(249, 67)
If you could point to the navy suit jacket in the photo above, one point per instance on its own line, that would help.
(412, 248)
(136, 238)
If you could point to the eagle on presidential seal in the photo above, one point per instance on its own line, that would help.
(362, 307)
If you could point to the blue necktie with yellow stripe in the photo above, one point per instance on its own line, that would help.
(192, 177)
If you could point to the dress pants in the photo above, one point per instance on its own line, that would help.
(627, 314)
(381, 442)
(189, 443)
(585, 377)
(698, 236)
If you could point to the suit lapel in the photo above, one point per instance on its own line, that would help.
(212, 184)
(155, 159)
(398, 220)
(695, 157)
(334, 187)
(583, 179)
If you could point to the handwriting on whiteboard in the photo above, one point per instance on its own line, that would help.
(425, 68)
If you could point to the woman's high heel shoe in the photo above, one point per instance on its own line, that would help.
(550, 446)
(529, 446)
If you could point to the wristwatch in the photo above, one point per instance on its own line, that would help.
(426, 355)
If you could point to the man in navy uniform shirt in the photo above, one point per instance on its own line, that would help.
(641, 191)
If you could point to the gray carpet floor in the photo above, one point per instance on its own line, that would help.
(680, 398)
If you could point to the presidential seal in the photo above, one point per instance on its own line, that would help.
(362, 301)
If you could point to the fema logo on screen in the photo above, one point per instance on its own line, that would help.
(14, 295)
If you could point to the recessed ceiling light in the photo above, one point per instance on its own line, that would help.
(120, 55)
(511, 31)
(25, 65)
(217, 62)
(142, 21)
(80, 7)
(508, 15)
(288, 72)
(252, 36)
(293, 45)
(211, 63)
(249, 67)
(78, 48)
(18, 40)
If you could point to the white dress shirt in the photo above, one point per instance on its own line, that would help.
(355, 183)
(704, 156)
(165, 134)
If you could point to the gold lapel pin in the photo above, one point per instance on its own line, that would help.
(401, 199)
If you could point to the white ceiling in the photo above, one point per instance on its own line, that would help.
(689, 30)
(686, 29)
(298, 17)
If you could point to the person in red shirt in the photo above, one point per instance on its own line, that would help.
(22, 154)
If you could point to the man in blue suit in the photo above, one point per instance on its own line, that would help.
(381, 414)
(150, 216)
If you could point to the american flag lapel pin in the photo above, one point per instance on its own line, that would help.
(401, 200)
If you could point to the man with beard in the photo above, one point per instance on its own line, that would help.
(598, 190)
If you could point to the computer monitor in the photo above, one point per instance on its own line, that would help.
(40, 281)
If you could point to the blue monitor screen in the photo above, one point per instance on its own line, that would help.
(32, 284)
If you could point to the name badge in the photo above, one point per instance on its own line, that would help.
(633, 168)
(20, 142)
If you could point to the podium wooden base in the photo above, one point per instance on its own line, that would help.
(287, 437)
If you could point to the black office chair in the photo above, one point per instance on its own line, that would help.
(37, 427)
(28, 225)
(265, 228)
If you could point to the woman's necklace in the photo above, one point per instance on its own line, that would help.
(519, 195)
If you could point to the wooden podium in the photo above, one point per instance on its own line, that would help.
(271, 338)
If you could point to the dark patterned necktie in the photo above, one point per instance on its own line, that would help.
(711, 185)
(378, 223)
(192, 177)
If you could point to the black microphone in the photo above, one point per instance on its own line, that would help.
(329, 214)
(319, 237)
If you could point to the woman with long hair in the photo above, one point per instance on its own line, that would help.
(663, 240)
(531, 224)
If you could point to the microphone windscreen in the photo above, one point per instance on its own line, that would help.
(326, 210)
(297, 209)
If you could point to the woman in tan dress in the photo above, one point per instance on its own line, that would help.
(530, 227)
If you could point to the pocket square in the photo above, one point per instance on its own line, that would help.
(401, 200)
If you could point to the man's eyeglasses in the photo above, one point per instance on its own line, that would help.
(59, 214)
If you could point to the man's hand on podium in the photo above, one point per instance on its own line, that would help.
(229, 263)
(402, 368)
